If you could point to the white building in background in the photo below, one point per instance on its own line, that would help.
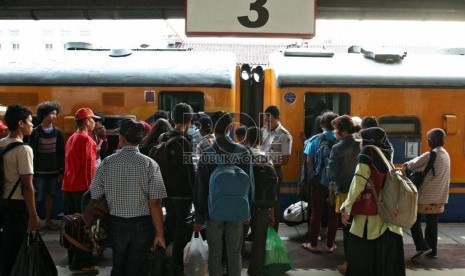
(47, 35)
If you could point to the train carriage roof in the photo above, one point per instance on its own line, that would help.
(355, 70)
(145, 68)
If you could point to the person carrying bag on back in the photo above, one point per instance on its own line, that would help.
(20, 214)
(223, 191)
(433, 193)
(374, 247)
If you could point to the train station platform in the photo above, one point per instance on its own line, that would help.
(450, 261)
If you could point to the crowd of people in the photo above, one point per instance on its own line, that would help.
(172, 165)
(372, 246)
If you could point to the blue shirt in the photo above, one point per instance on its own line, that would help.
(313, 143)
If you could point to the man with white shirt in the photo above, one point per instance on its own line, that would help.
(277, 143)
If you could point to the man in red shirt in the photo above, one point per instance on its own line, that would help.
(80, 157)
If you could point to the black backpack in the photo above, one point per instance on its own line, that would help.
(175, 163)
(322, 158)
(266, 181)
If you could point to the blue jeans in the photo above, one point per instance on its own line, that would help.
(176, 229)
(233, 232)
(45, 186)
(132, 239)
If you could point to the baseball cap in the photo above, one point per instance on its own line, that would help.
(85, 113)
(2, 125)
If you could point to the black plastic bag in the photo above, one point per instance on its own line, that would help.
(159, 264)
(33, 258)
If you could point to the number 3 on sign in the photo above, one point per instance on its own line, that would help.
(262, 18)
(270, 18)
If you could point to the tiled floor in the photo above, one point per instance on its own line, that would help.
(451, 251)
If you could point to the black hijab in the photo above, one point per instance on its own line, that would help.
(374, 136)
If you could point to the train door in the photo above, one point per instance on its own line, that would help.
(167, 100)
(317, 103)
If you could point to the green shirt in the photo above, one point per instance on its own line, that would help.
(375, 224)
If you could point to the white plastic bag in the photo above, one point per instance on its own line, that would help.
(296, 213)
(196, 256)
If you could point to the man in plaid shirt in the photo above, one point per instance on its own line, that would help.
(133, 187)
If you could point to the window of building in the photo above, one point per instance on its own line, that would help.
(15, 46)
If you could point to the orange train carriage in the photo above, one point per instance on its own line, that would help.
(409, 96)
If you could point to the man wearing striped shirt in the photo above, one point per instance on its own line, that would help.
(133, 187)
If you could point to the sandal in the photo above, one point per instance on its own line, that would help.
(331, 249)
(342, 268)
(308, 247)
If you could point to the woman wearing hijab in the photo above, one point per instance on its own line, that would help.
(374, 246)
(433, 194)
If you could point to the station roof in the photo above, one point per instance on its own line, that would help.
(450, 10)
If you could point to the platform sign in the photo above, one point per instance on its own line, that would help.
(264, 18)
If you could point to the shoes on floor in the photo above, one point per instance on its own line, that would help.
(420, 254)
(331, 249)
(432, 256)
(310, 248)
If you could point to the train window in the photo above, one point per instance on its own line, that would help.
(316, 103)
(396, 125)
(167, 100)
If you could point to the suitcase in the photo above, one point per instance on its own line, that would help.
(74, 233)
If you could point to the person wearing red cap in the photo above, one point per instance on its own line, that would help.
(3, 130)
(80, 166)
